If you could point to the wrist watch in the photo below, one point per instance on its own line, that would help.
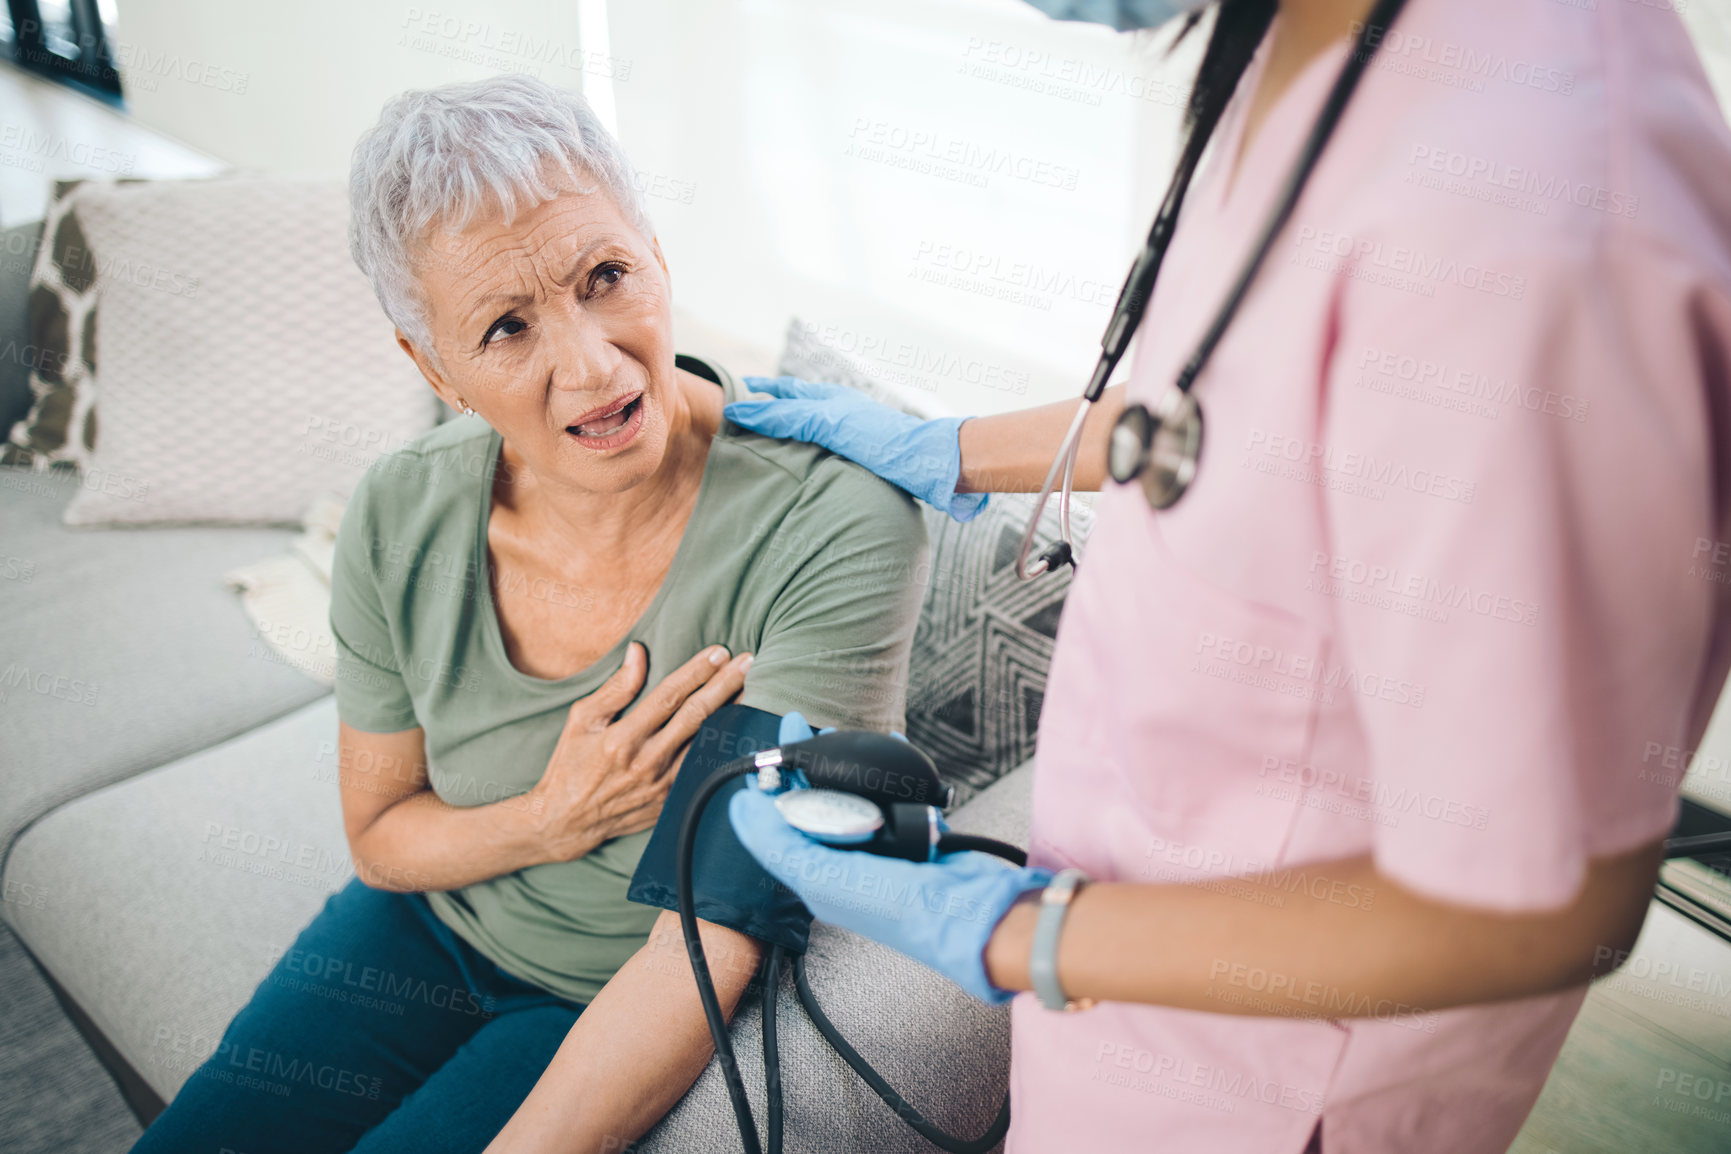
(1043, 962)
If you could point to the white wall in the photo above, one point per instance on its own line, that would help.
(949, 189)
(48, 132)
(288, 87)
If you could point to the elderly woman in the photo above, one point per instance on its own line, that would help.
(536, 605)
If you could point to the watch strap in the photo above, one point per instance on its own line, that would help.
(1043, 962)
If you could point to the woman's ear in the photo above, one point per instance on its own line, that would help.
(428, 370)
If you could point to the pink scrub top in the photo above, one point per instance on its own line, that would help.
(1451, 586)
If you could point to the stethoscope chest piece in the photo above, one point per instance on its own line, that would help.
(1158, 449)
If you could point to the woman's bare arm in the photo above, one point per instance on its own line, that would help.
(1334, 940)
(403, 838)
(635, 1050)
(1010, 452)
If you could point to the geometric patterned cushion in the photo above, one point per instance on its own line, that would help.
(59, 432)
(18, 353)
(246, 368)
(977, 677)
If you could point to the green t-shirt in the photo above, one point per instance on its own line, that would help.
(795, 554)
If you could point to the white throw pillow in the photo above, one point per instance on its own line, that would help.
(246, 367)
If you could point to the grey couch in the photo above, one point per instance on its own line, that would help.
(169, 820)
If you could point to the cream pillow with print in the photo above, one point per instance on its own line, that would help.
(246, 369)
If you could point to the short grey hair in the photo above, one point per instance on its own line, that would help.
(444, 155)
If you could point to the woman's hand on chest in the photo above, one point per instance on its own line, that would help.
(610, 773)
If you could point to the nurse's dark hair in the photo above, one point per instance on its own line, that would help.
(1239, 26)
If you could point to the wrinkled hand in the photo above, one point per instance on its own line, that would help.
(610, 774)
(922, 457)
(940, 913)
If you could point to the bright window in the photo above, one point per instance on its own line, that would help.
(948, 189)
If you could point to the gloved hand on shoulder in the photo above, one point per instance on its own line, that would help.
(923, 457)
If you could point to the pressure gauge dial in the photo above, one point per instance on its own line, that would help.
(831, 815)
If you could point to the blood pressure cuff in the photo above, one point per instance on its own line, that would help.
(732, 890)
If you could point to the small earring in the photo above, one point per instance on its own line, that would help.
(467, 411)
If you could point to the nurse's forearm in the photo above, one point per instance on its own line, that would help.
(1332, 940)
(635, 1050)
(1010, 452)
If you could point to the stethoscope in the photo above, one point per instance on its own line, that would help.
(1160, 448)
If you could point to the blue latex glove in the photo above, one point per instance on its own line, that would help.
(794, 727)
(1123, 15)
(923, 457)
(941, 914)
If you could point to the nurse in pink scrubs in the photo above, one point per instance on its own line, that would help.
(1357, 746)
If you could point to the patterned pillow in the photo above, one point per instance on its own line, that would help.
(246, 368)
(18, 352)
(977, 677)
(59, 431)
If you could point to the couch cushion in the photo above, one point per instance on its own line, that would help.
(228, 396)
(58, 427)
(977, 671)
(161, 903)
(1003, 810)
(120, 650)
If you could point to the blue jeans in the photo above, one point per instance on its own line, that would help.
(379, 1032)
